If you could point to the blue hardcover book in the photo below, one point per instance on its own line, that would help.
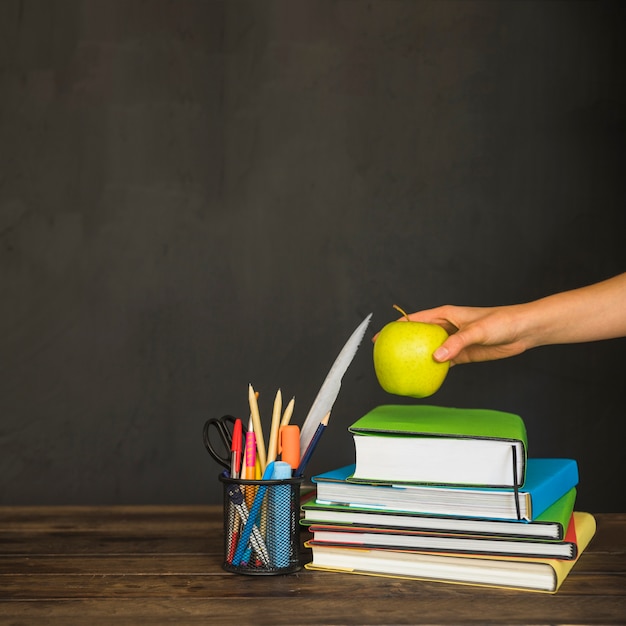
(547, 480)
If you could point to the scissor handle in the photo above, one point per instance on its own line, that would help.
(224, 427)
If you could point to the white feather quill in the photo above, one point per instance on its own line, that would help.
(329, 390)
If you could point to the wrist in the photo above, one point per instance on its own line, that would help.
(531, 328)
(551, 320)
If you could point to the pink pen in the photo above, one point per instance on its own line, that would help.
(250, 463)
(250, 452)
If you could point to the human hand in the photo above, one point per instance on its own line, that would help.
(476, 333)
(489, 333)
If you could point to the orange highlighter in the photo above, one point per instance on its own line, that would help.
(289, 444)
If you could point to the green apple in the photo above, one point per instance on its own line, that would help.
(403, 358)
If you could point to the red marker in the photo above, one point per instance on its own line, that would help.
(236, 449)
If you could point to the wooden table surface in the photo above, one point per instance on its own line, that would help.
(162, 564)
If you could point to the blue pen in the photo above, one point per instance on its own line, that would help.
(278, 539)
(308, 453)
(254, 512)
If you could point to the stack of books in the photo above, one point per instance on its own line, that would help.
(448, 495)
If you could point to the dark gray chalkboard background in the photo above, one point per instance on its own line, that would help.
(198, 195)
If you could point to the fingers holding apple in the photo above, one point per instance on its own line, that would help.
(403, 358)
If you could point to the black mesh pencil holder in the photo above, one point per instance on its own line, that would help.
(261, 525)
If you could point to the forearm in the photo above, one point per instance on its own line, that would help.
(590, 313)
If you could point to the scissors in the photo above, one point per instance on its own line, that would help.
(219, 445)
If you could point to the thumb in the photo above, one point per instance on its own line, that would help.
(450, 348)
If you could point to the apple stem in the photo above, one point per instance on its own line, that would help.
(397, 308)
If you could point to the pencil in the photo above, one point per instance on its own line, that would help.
(272, 449)
(288, 412)
(258, 429)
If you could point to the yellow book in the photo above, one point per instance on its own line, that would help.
(521, 573)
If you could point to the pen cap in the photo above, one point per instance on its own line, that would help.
(237, 442)
(281, 470)
(289, 444)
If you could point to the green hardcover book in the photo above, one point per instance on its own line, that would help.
(440, 445)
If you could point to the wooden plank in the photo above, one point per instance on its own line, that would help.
(111, 564)
(428, 607)
(111, 519)
(200, 564)
(215, 583)
(94, 543)
(107, 544)
(106, 530)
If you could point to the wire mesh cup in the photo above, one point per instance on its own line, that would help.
(261, 525)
